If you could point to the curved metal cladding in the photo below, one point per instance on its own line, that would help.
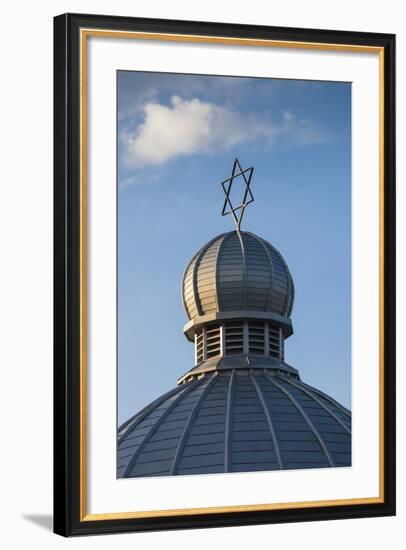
(237, 271)
(235, 421)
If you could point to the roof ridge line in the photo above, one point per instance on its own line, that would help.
(189, 424)
(156, 425)
(268, 419)
(144, 412)
(306, 418)
(328, 398)
(245, 270)
(228, 424)
(307, 392)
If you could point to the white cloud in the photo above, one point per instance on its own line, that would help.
(186, 127)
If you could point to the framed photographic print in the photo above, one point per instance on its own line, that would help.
(224, 274)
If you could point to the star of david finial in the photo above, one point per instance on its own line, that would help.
(244, 176)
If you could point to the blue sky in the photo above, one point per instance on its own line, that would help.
(177, 138)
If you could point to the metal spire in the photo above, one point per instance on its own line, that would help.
(237, 211)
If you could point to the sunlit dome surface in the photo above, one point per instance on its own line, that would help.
(237, 271)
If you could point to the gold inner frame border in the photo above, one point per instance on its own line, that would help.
(173, 37)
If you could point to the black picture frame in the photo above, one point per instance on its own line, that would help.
(68, 519)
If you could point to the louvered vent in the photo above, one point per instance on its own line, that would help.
(256, 338)
(213, 345)
(234, 338)
(275, 343)
(199, 346)
(238, 338)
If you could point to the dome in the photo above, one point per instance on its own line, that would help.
(235, 421)
(237, 271)
(241, 407)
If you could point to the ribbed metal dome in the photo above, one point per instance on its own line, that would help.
(237, 271)
(235, 421)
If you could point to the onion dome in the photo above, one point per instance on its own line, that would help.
(235, 421)
(237, 271)
(237, 274)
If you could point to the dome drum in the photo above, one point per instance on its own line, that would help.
(238, 337)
